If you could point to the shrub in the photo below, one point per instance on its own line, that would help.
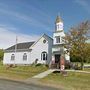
(39, 64)
(67, 65)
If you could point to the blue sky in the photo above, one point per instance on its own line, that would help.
(29, 19)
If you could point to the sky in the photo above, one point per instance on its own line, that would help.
(29, 19)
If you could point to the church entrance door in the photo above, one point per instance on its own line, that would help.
(57, 60)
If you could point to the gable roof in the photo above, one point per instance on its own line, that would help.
(41, 37)
(20, 46)
(25, 46)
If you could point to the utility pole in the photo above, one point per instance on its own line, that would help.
(15, 49)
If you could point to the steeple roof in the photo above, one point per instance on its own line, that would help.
(58, 19)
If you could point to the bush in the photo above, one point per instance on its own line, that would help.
(1, 54)
(77, 67)
(74, 59)
(47, 65)
(67, 65)
(39, 64)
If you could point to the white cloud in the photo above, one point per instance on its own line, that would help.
(5, 8)
(8, 37)
(25, 18)
(8, 27)
(84, 4)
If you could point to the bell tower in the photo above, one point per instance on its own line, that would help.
(58, 42)
(59, 32)
(58, 24)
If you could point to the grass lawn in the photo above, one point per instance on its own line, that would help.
(21, 72)
(86, 69)
(74, 81)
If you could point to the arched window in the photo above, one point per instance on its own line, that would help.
(24, 56)
(44, 56)
(12, 57)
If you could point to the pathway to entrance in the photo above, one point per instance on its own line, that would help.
(44, 74)
(35, 79)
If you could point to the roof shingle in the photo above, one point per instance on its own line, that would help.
(21, 46)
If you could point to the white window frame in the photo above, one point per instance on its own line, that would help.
(44, 56)
(57, 39)
(24, 56)
(13, 57)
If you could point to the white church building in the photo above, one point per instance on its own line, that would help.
(44, 50)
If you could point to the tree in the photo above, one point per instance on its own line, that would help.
(76, 41)
(1, 54)
(87, 53)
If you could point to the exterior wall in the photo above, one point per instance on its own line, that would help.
(40, 47)
(50, 44)
(67, 55)
(54, 49)
(59, 26)
(18, 58)
(61, 34)
(37, 49)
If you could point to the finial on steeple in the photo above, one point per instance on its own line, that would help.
(58, 14)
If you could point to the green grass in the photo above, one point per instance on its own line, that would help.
(21, 72)
(87, 69)
(74, 81)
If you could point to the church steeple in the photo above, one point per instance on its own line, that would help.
(58, 24)
(58, 19)
(59, 32)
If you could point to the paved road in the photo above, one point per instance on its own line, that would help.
(10, 85)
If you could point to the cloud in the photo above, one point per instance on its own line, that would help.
(15, 12)
(8, 27)
(42, 15)
(84, 4)
(8, 37)
(28, 19)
